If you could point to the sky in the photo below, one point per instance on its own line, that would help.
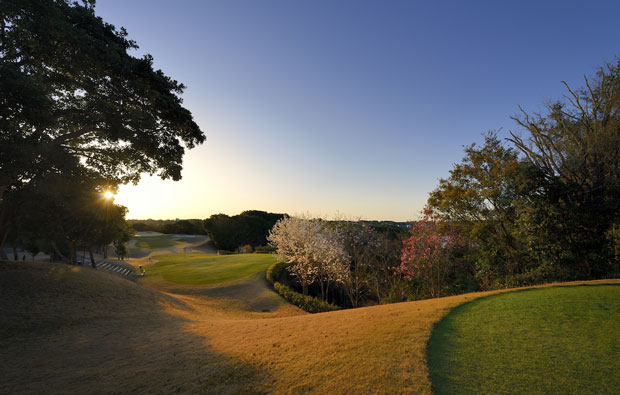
(350, 108)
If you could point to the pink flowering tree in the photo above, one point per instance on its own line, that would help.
(427, 253)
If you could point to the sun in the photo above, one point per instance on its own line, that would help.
(108, 195)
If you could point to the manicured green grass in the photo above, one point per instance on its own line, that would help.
(550, 340)
(190, 239)
(202, 269)
(159, 240)
(150, 242)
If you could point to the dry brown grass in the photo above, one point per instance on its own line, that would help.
(78, 330)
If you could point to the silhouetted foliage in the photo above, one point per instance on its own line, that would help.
(547, 208)
(250, 227)
(72, 97)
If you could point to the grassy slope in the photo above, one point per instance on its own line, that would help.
(67, 329)
(151, 242)
(552, 340)
(110, 334)
(203, 269)
(144, 244)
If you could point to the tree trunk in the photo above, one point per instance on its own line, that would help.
(4, 224)
(15, 257)
(56, 251)
(92, 257)
(4, 232)
(72, 254)
(327, 292)
(304, 288)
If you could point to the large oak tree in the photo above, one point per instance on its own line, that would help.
(72, 95)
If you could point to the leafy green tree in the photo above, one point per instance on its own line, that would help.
(481, 197)
(576, 149)
(185, 227)
(71, 94)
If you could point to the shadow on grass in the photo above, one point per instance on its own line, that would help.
(79, 331)
(251, 294)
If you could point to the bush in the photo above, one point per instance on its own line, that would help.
(246, 249)
(305, 302)
(277, 272)
(264, 250)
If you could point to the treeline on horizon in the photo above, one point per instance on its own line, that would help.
(242, 232)
(245, 231)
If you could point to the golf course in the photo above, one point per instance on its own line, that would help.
(203, 323)
(309, 197)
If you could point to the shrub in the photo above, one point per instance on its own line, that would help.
(305, 302)
(246, 249)
(277, 272)
(264, 249)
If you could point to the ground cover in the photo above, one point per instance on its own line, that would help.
(548, 340)
(76, 329)
(151, 242)
(145, 243)
(203, 269)
(68, 329)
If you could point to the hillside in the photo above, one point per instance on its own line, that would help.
(81, 330)
(78, 330)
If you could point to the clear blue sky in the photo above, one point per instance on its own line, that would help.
(356, 107)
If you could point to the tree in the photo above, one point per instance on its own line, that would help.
(293, 238)
(60, 215)
(427, 254)
(481, 197)
(381, 261)
(72, 95)
(329, 257)
(575, 148)
(361, 244)
(250, 227)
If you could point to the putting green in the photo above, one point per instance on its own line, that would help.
(548, 340)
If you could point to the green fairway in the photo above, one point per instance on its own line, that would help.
(150, 242)
(549, 340)
(202, 269)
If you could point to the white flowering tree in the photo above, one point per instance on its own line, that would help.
(331, 259)
(341, 253)
(293, 239)
(313, 250)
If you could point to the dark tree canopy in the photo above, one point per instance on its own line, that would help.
(73, 97)
(69, 87)
(547, 208)
(250, 227)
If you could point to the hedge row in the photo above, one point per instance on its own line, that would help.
(276, 272)
(305, 302)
